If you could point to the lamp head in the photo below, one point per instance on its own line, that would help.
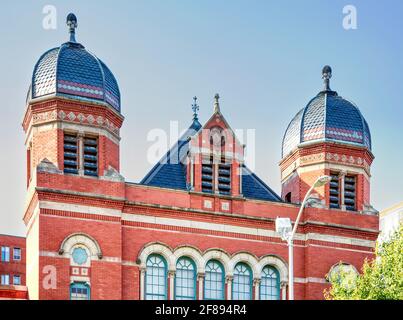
(321, 181)
(284, 227)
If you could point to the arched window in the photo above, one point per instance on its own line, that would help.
(242, 284)
(185, 280)
(288, 197)
(156, 278)
(79, 291)
(214, 281)
(270, 284)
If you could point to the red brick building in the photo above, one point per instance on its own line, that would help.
(12, 267)
(200, 225)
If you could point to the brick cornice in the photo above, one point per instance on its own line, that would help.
(137, 208)
(273, 240)
(76, 198)
(227, 234)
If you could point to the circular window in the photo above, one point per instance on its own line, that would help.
(344, 274)
(80, 256)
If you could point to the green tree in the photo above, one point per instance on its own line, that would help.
(381, 278)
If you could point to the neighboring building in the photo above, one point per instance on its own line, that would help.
(12, 267)
(390, 220)
(200, 225)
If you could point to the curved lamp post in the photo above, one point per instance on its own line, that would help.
(284, 227)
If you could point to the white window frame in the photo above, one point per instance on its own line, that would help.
(19, 256)
(17, 276)
(3, 277)
(7, 253)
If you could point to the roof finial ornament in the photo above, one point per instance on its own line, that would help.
(71, 22)
(216, 103)
(195, 109)
(326, 75)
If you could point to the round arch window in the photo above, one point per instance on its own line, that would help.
(80, 256)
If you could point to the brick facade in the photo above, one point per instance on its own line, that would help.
(124, 222)
(12, 266)
(91, 234)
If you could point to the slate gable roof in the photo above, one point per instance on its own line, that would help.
(170, 172)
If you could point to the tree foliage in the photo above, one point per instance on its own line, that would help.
(381, 278)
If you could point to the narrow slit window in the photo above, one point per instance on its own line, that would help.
(207, 176)
(90, 154)
(349, 192)
(224, 178)
(70, 153)
(334, 192)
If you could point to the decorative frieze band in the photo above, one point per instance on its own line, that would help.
(330, 157)
(76, 117)
(341, 158)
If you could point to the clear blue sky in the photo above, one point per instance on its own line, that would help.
(263, 57)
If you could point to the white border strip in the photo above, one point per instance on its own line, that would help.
(79, 208)
(53, 254)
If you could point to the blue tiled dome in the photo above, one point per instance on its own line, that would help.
(70, 70)
(327, 117)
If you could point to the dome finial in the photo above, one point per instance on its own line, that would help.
(216, 103)
(195, 108)
(326, 75)
(71, 22)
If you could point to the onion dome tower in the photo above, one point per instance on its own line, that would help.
(73, 114)
(328, 137)
(73, 72)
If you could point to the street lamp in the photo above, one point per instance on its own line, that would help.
(287, 232)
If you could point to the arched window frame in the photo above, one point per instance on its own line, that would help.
(221, 266)
(81, 239)
(194, 279)
(250, 280)
(261, 296)
(146, 294)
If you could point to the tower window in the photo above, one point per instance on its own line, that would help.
(80, 154)
(334, 193)
(207, 176)
(342, 193)
(70, 153)
(288, 197)
(90, 156)
(349, 192)
(224, 178)
(216, 177)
